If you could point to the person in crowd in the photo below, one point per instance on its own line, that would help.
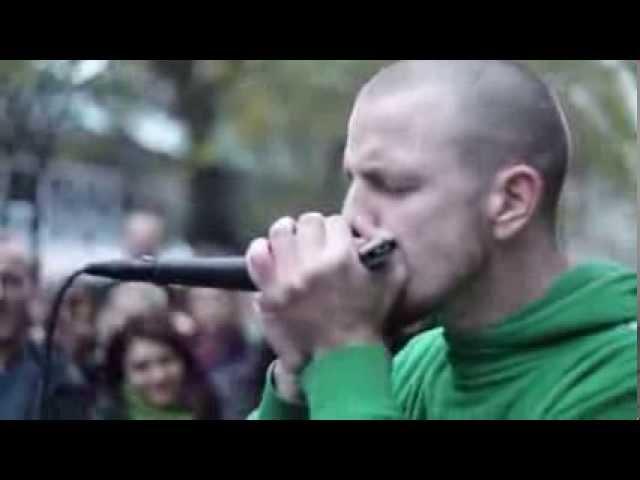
(151, 374)
(77, 333)
(144, 234)
(222, 348)
(127, 300)
(21, 359)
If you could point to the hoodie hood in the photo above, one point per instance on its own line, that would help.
(586, 299)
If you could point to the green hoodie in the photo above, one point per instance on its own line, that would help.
(569, 355)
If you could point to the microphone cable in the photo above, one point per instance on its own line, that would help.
(50, 329)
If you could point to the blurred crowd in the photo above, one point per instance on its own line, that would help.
(127, 351)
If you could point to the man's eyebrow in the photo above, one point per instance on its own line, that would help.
(374, 171)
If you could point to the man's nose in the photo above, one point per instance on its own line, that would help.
(360, 213)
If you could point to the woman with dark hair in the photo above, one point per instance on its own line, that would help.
(150, 374)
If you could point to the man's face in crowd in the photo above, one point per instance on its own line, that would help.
(144, 235)
(15, 288)
(78, 329)
(212, 308)
(406, 177)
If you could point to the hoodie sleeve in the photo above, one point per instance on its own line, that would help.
(352, 383)
(272, 407)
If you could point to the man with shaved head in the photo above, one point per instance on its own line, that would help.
(144, 234)
(462, 163)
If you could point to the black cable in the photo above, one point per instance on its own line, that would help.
(51, 323)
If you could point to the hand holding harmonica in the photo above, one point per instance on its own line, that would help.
(315, 294)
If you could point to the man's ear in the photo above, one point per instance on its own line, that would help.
(514, 199)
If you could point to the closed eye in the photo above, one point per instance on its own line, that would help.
(390, 185)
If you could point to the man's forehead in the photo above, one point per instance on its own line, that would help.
(415, 116)
(409, 128)
(435, 98)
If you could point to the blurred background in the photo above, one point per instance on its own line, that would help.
(210, 152)
(222, 147)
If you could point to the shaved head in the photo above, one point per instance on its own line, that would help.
(144, 233)
(496, 113)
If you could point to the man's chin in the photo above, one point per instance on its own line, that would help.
(406, 320)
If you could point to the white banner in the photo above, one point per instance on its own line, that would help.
(81, 215)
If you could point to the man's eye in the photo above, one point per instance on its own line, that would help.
(394, 187)
(398, 188)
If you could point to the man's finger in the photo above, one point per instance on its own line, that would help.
(311, 235)
(283, 245)
(339, 237)
(260, 263)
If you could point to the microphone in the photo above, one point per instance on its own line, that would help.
(225, 273)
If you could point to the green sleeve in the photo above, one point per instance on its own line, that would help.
(352, 383)
(272, 407)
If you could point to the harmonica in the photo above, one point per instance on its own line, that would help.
(375, 254)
